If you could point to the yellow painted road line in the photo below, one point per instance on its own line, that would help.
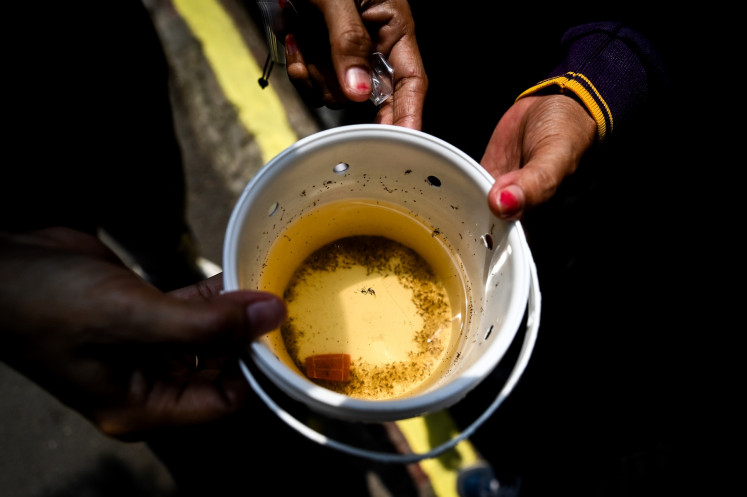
(260, 110)
(425, 433)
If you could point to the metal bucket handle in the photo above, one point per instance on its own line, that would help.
(530, 338)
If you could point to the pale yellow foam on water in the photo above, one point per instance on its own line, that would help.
(371, 316)
(396, 342)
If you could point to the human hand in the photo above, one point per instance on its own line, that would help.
(128, 357)
(537, 143)
(328, 49)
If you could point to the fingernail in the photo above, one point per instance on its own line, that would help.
(266, 315)
(510, 201)
(290, 44)
(358, 80)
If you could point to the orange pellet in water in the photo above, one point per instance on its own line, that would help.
(331, 367)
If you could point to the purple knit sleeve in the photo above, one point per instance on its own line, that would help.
(609, 67)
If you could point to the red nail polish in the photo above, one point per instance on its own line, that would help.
(508, 203)
(358, 80)
(290, 44)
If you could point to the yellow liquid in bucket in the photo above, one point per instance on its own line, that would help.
(373, 281)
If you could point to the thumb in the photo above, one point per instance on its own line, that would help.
(264, 311)
(261, 311)
(222, 320)
(351, 48)
(507, 202)
(516, 191)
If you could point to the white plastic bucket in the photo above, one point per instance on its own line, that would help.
(445, 189)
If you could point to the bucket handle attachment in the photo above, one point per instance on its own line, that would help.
(530, 338)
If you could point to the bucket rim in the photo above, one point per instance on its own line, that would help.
(339, 405)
